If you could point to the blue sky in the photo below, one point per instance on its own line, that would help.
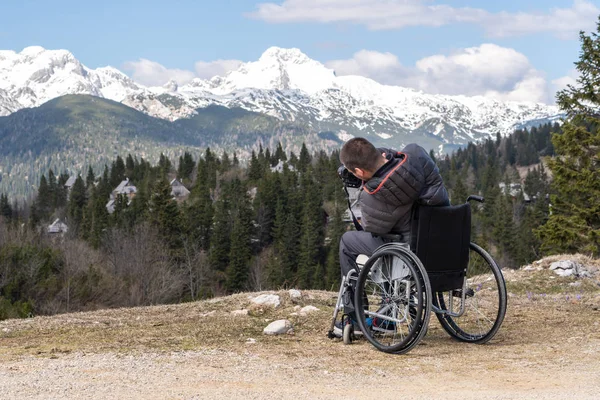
(424, 43)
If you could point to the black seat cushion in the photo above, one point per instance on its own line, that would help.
(440, 237)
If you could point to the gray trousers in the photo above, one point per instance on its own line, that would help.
(354, 243)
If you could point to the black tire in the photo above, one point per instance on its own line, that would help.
(485, 302)
(395, 286)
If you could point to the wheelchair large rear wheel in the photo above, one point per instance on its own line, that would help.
(393, 299)
(485, 301)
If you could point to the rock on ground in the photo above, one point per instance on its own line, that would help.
(279, 327)
(308, 310)
(267, 300)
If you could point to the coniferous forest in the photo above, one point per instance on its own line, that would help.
(276, 220)
(272, 223)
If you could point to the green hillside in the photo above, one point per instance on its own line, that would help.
(73, 132)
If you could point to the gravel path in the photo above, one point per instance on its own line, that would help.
(548, 348)
(221, 374)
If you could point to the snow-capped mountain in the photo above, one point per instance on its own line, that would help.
(35, 75)
(284, 83)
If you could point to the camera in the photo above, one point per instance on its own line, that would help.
(348, 178)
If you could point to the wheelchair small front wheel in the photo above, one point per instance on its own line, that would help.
(484, 301)
(348, 333)
(393, 299)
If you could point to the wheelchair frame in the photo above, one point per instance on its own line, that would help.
(445, 309)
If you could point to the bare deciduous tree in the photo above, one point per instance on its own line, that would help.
(142, 261)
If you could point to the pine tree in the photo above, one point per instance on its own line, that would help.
(164, 164)
(5, 209)
(305, 159)
(52, 189)
(62, 192)
(90, 178)
(117, 172)
(219, 241)
(504, 231)
(186, 167)
(240, 251)
(459, 191)
(254, 169)
(98, 217)
(275, 274)
(225, 163)
(265, 204)
(311, 239)
(279, 153)
(137, 211)
(199, 215)
(129, 166)
(43, 201)
(77, 202)
(574, 223)
(164, 214)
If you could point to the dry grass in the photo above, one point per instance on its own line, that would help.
(546, 315)
(549, 344)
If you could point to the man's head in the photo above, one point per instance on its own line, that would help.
(361, 158)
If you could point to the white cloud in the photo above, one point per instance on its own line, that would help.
(488, 70)
(569, 79)
(564, 23)
(398, 14)
(208, 69)
(151, 73)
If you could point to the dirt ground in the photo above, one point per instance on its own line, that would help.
(547, 348)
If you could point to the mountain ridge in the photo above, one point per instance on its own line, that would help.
(282, 83)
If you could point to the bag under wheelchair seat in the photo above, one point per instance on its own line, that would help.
(440, 237)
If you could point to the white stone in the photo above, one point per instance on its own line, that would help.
(295, 294)
(279, 327)
(568, 268)
(236, 313)
(308, 310)
(296, 308)
(563, 264)
(267, 300)
(563, 272)
(5, 330)
(250, 341)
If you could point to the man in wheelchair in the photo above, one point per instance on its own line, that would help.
(417, 256)
(391, 183)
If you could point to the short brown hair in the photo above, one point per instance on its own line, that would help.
(360, 153)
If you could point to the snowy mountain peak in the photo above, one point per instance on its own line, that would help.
(276, 69)
(279, 54)
(32, 51)
(36, 75)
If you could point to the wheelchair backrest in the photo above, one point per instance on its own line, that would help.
(440, 237)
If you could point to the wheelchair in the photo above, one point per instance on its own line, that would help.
(395, 290)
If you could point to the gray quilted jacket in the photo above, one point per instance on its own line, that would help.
(387, 198)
